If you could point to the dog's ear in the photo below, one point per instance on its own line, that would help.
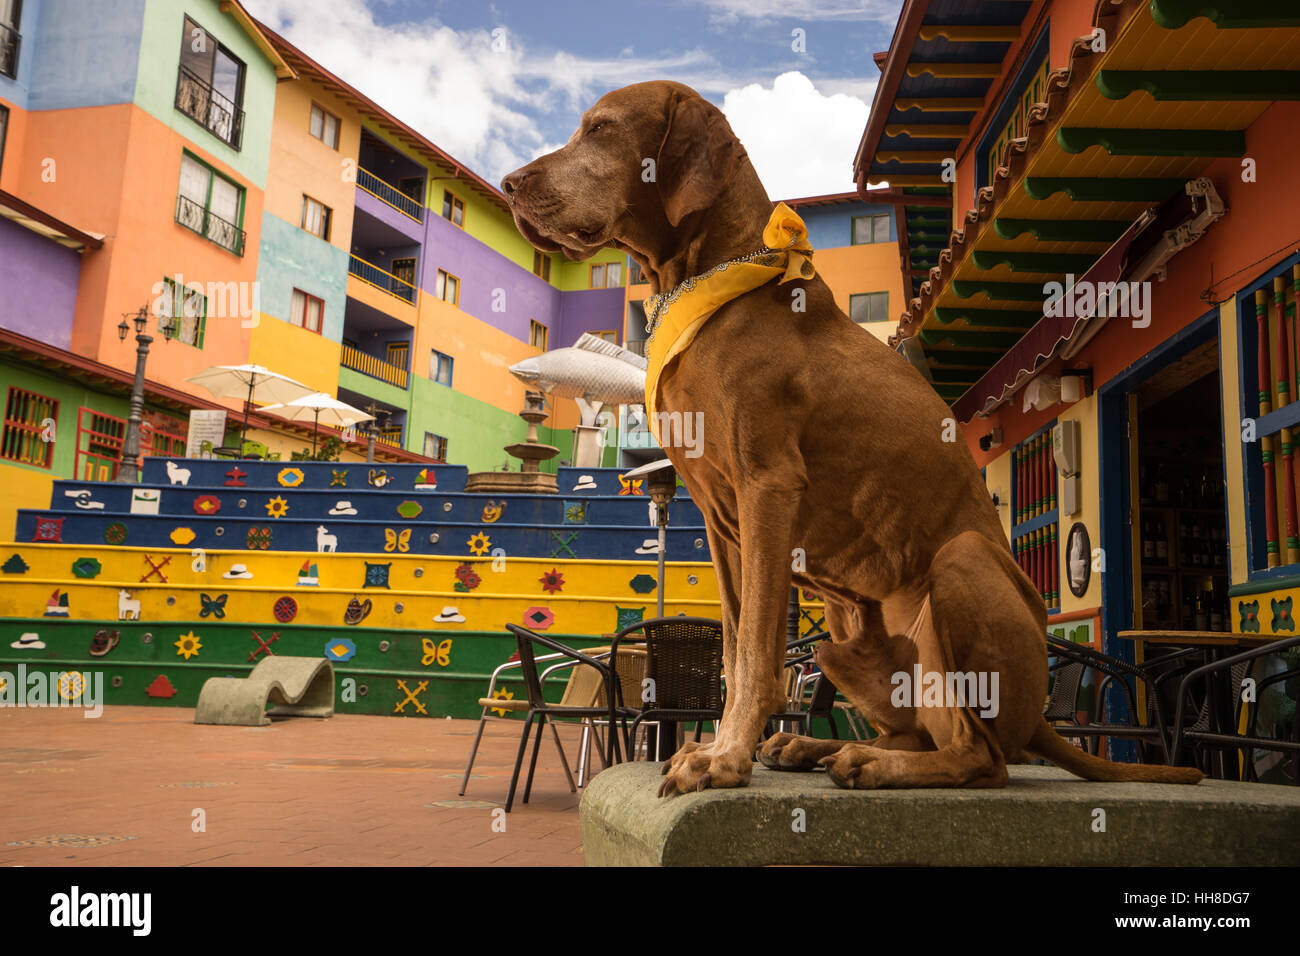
(697, 158)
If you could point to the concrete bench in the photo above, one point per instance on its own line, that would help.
(1045, 817)
(296, 686)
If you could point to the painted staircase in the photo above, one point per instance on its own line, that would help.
(394, 573)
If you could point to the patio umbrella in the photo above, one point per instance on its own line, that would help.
(251, 383)
(316, 406)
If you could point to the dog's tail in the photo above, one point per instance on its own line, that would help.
(1048, 744)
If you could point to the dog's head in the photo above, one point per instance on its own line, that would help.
(643, 159)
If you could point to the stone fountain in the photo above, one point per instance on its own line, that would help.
(531, 454)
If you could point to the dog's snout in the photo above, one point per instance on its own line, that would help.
(510, 185)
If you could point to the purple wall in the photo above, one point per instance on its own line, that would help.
(389, 216)
(588, 310)
(38, 285)
(482, 269)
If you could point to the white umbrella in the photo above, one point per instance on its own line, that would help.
(316, 406)
(252, 383)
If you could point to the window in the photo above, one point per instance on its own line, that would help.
(306, 311)
(606, 275)
(210, 205)
(26, 418)
(869, 307)
(316, 217)
(609, 335)
(1034, 514)
(325, 126)
(868, 229)
(635, 275)
(4, 127)
(11, 12)
(182, 313)
(99, 445)
(537, 334)
(447, 287)
(210, 85)
(435, 446)
(453, 209)
(440, 368)
(542, 266)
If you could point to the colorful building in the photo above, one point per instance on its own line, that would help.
(180, 157)
(1101, 275)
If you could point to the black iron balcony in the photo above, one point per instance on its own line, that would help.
(10, 40)
(193, 216)
(197, 99)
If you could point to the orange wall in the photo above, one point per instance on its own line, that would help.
(92, 149)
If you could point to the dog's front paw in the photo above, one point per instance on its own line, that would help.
(697, 767)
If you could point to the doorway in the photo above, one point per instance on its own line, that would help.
(1178, 531)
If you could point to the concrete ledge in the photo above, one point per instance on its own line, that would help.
(1044, 818)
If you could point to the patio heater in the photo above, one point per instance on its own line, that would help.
(661, 480)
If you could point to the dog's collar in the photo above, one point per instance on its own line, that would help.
(786, 256)
(657, 304)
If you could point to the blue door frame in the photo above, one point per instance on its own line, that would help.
(1113, 469)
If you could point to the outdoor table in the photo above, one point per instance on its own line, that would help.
(1215, 644)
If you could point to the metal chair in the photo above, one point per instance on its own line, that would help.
(1202, 733)
(543, 711)
(1074, 660)
(683, 674)
(821, 701)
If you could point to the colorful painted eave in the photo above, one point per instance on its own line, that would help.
(42, 223)
(1060, 201)
(235, 10)
(382, 118)
(99, 375)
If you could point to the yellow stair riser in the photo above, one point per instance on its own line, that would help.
(124, 567)
(573, 614)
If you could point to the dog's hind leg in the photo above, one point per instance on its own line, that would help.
(858, 628)
(974, 629)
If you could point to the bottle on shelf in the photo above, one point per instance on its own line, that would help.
(1148, 542)
(1162, 542)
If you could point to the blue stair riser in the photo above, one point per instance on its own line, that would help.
(73, 497)
(216, 472)
(352, 535)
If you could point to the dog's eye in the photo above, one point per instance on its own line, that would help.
(593, 127)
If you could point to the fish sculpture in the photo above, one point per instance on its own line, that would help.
(591, 369)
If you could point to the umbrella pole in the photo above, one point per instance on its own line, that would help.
(314, 432)
(247, 406)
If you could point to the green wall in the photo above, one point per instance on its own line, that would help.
(290, 258)
(155, 92)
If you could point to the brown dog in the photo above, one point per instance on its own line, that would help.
(816, 436)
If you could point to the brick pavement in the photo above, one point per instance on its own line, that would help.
(350, 790)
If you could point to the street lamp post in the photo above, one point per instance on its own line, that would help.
(128, 471)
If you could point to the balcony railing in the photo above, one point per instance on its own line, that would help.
(636, 346)
(197, 99)
(371, 274)
(193, 216)
(10, 41)
(390, 194)
(359, 361)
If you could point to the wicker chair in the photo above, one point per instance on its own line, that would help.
(683, 667)
(820, 701)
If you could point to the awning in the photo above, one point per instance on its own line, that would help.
(1045, 339)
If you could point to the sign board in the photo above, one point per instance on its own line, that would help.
(205, 425)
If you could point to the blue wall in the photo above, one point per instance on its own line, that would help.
(79, 53)
(290, 258)
(832, 226)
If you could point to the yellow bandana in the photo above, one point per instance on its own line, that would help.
(684, 310)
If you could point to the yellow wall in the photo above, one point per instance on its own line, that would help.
(1229, 382)
(293, 351)
(1084, 412)
(23, 488)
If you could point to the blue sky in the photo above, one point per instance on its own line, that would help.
(433, 64)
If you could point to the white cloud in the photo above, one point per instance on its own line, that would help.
(732, 11)
(800, 140)
(495, 111)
